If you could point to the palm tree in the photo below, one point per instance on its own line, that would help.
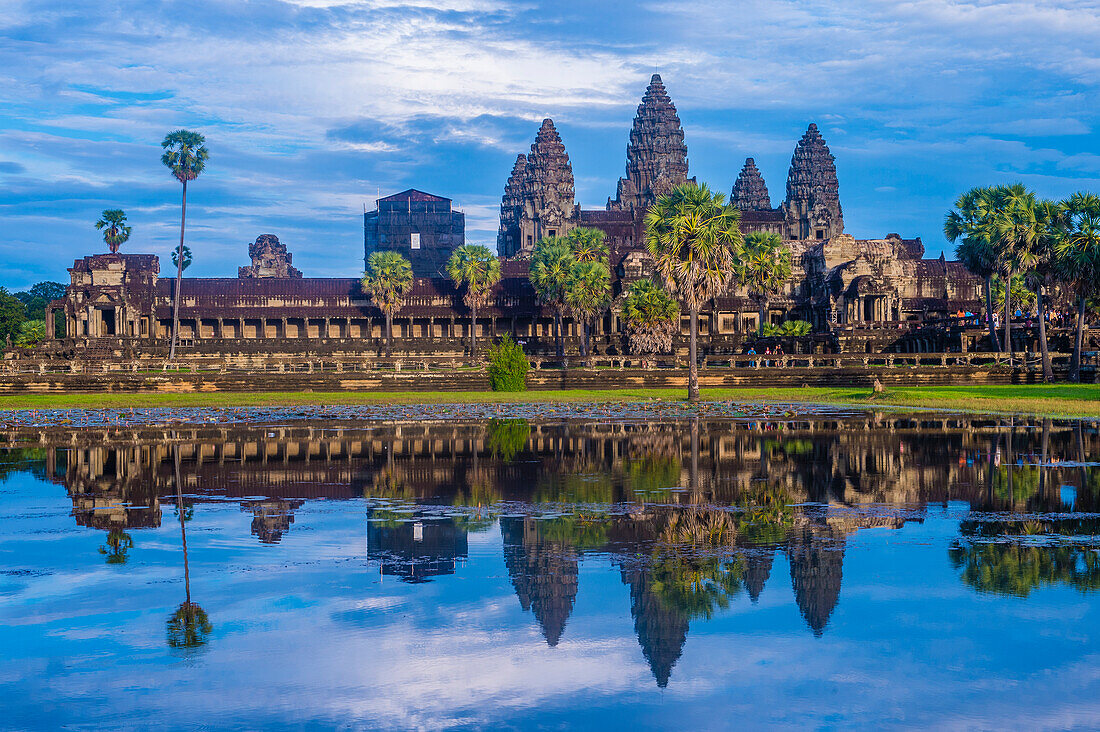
(1078, 250)
(551, 264)
(695, 241)
(1043, 271)
(765, 265)
(968, 225)
(185, 154)
(476, 269)
(113, 225)
(588, 244)
(651, 317)
(186, 258)
(587, 296)
(388, 280)
(1016, 229)
(189, 626)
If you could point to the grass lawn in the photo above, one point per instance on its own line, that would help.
(1067, 400)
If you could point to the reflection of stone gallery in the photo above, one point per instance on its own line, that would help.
(838, 282)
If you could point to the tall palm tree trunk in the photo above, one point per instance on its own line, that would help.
(179, 279)
(389, 334)
(557, 334)
(1043, 459)
(1008, 317)
(1040, 304)
(993, 342)
(473, 332)
(693, 359)
(1078, 341)
(763, 313)
(183, 529)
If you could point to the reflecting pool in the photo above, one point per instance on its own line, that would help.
(821, 569)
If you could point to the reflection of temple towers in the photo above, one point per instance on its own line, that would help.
(271, 517)
(816, 567)
(415, 550)
(758, 567)
(661, 630)
(544, 574)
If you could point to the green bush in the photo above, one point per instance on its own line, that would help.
(508, 366)
(31, 333)
(795, 328)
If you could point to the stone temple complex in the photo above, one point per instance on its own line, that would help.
(859, 294)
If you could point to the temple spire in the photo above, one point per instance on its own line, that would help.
(656, 157)
(812, 209)
(538, 199)
(749, 192)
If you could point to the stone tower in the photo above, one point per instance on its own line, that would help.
(269, 259)
(511, 209)
(542, 186)
(749, 192)
(812, 209)
(656, 158)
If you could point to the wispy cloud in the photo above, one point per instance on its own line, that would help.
(310, 105)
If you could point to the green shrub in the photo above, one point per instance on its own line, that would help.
(31, 333)
(794, 328)
(508, 366)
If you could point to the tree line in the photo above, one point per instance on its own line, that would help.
(1034, 246)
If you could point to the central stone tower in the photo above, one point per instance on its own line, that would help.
(656, 158)
(812, 209)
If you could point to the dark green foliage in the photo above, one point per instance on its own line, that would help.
(508, 366)
(31, 333)
(507, 437)
(186, 257)
(789, 328)
(189, 627)
(12, 315)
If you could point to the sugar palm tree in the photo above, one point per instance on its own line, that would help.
(764, 266)
(551, 263)
(587, 296)
(185, 154)
(588, 244)
(113, 225)
(189, 626)
(475, 270)
(1078, 250)
(651, 317)
(1043, 268)
(388, 280)
(695, 241)
(186, 258)
(1016, 229)
(968, 225)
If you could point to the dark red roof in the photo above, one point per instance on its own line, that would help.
(413, 195)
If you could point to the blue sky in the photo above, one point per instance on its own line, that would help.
(312, 107)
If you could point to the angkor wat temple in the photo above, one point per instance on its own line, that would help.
(870, 291)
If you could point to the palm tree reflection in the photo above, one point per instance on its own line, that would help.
(188, 627)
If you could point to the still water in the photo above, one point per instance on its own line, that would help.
(821, 569)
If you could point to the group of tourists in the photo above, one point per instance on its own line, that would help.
(767, 352)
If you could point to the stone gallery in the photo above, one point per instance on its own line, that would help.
(838, 283)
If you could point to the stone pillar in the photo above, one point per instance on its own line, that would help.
(221, 328)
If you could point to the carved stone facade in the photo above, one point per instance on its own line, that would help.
(269, 259)
(812, 209)
(749, 191)
(538, 198)
(656, 158)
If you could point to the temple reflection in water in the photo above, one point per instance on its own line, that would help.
(691, 514)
